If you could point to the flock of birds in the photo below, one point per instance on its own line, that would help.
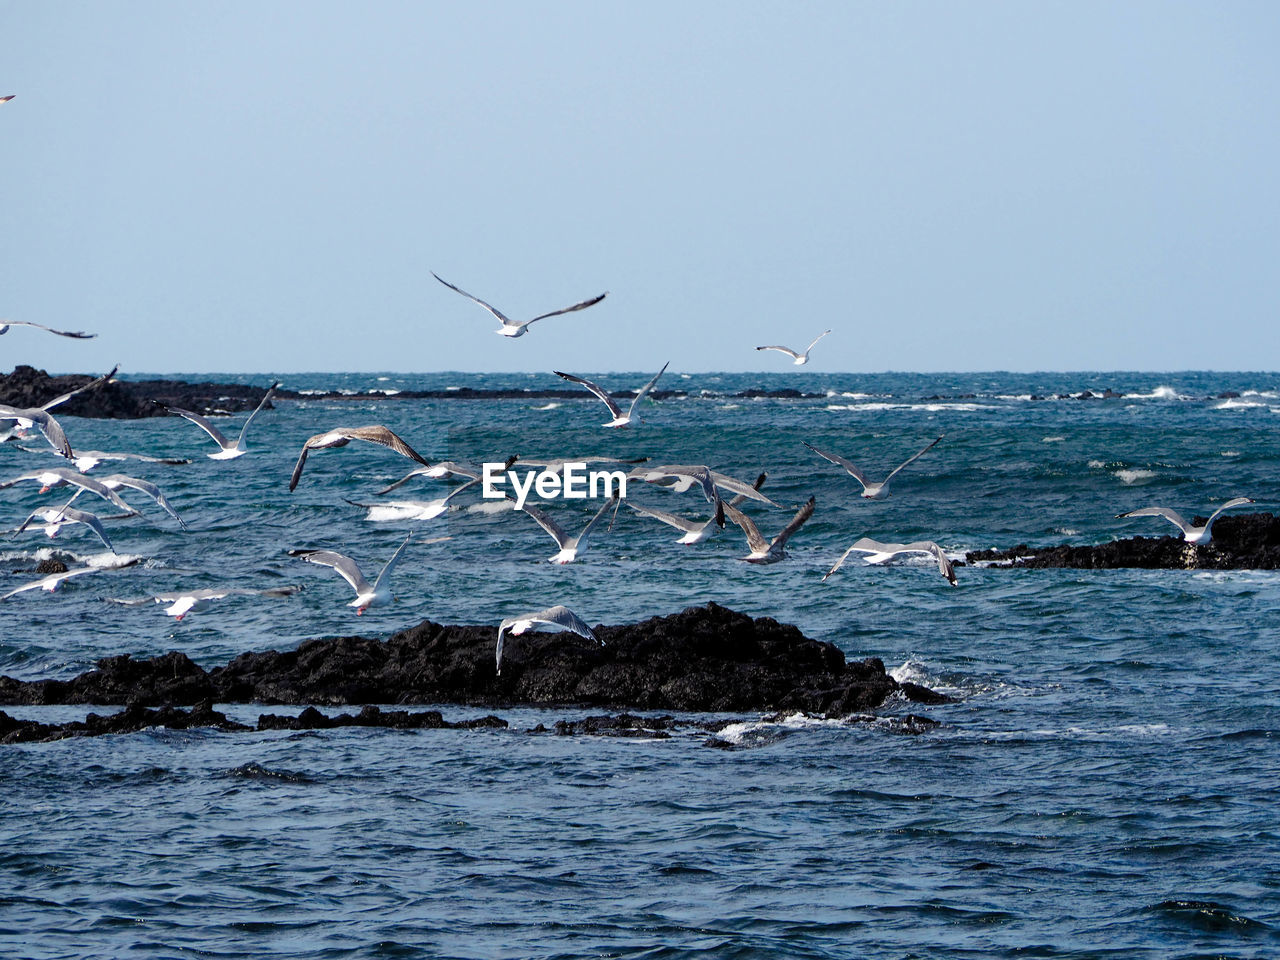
(726, 495)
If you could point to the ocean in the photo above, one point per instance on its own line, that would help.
(1102, 785)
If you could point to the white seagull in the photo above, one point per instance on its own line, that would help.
(17, 431)
(227, 449)
(695, 531)
(366, 595)
(708, 480)
(800, 359)
(182, 603)
(77, 334)
(557, 616)
(883, 552)
(570, 547)
(55, 518)
(341, 436)
(513, 328)
(443, 470)
(619, 418)
(410, 509)
(1191, 534)
(86, 460)
(768, 551)
(870, 490)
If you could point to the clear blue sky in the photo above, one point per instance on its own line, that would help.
(949, 186)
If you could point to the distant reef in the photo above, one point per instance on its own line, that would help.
(703, 659)
(1245, 541)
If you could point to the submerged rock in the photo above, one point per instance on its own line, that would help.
(702, 659)
(1244, 541)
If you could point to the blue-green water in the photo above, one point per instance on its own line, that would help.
(1102, 786)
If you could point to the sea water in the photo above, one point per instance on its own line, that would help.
(1103, 783)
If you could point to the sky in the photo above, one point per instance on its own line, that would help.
(267, 186)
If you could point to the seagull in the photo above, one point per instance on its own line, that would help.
(227, 449)
(768, 551)
(883, 552)
(86, 460)
(341, 436)
(870, 490)
(569, 546)
(557, 616)
(48, 405)
(7, 99)
(694, 531)
(366, 595)
(182, 603)
(800, 359)
(410, 509)
(43, 420)
(54, 580)
(1190, 534)
(77, 334)
(512, 328)
(55, 518)
(619, 419)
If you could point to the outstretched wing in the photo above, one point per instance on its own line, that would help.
(912, 460)
(387, 438)
(643, 391)
(344, 565)
(1171, 515)
(385, 573)
(577, 306)
(594, 521)
(815, 340)
(297, 467)
(57, 401)
(261, 403)
(799, 520)
(757, 542)
(787, 350)
(670, 519)
(850, 468)
(547, 524)
(594, 388)
(203, 424)
(502, 318)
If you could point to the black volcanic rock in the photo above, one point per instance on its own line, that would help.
(124, 399)
(129, 720)
(1246, 541)
(702, 659)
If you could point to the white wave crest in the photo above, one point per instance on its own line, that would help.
(548, 406)
(1131, 477)
(1233, 404)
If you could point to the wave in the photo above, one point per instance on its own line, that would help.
(1132, 477)
(1233, 404)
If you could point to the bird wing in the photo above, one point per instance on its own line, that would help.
(815, 341)
(50, 582)
(502, 318)
(548, 525)
(670, 519)
(840, 461)
(1171, 515)
(385, 437)
(95, 486)
(742, 498)
(1236, 502)
(385, 573)
(757, 542)
(204, 425)
(781, 349)
(297, 467)
(345, 566)
(643, 391)
(52, 431)
(577, 306)
(912, 459)
(261, 403)
(78, 334)
(562, 616)
(734, 485)
(594, 521)
(89, 520)
(147, 487)
(944, 562)
(594, 388)
(839, 563)
(802, 516)
(56, 401)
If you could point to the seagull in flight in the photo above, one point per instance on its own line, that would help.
(18, 430)
(444, 470)
(513, 328)
(51, 582)
(686, 476)
(768, 551)
(799, 359)
(883, 552)
(1190, 533)
(341, 436)
(366, 595)
(6, 99)
(227, 450)
(117, 480)
(557, 616)
(870, 490)
(28, 417)
(77, 334)
(182, 603)
(411, 509)
(65, 476)
(570, 547)
(619, 418)
(694, 531)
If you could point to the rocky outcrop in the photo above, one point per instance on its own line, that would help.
(1246, 541)
(702, 659)
(124, 399)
